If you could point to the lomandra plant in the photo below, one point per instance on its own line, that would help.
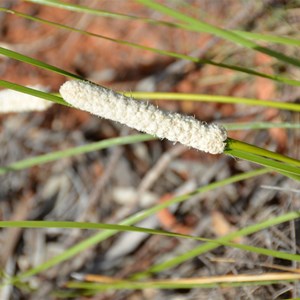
(210, 138)
(143, 116)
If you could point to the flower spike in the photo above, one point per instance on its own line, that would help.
(144, 116)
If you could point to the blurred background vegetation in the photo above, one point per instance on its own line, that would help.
(121, 177)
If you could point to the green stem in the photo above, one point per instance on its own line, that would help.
(214, 98)
(244, 147)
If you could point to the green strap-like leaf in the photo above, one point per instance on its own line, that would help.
(162, 52)
(37, 63)
(33, 92)
(135, 218)
(103, 13)
(49, 157)
(199, 26)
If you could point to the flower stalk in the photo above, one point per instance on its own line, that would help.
(145, 117)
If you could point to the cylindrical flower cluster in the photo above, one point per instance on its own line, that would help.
(13, 101)
(144, 117)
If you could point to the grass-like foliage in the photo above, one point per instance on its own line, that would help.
(269, 161)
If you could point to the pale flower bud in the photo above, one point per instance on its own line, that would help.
(13, 101)
(144, 117)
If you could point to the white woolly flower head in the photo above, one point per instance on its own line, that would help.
(13, 101)
(144, 117)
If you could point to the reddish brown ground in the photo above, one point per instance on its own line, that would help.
(91, 187)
